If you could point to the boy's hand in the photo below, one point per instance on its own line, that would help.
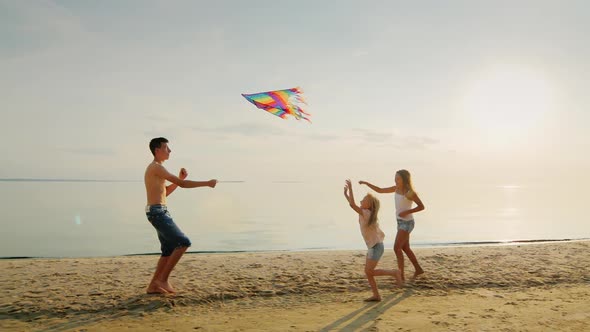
(403, 214)
(212, 183)
(362, 182)
(183, 174)
(348, 184)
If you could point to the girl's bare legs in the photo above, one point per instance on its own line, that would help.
(401, 239)
(412, 258)
(369, 271)
(394, 273)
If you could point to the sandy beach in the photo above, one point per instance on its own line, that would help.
(527, 287)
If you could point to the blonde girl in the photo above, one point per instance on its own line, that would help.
(405, 197)
(373, 236)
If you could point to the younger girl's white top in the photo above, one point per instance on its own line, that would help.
(371, 233)
(402, 203)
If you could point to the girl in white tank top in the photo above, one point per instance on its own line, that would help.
(403, 203)
(405, 197)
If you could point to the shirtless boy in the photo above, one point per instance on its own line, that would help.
(173, 241)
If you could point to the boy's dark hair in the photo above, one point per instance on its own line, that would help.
(156, 143)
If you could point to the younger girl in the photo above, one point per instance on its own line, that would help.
(373, 236)
(404, 198)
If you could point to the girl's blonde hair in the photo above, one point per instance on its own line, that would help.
(407, 181)
(374, 208)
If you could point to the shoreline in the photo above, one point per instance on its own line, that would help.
(238, 251)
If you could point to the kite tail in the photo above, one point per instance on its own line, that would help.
(304, 112)
(298, 95)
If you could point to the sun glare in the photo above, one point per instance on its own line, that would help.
(508, 98)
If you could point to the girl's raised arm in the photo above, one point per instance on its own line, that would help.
(387, 190)
(350, 197)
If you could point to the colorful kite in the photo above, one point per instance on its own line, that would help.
(280, 102)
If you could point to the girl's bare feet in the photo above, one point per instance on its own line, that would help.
(398, 278)
(418, 272)
(373, 299)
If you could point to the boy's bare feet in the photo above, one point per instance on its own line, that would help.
(157, 287)
(373, 299)
(154, 289)
(168, 288)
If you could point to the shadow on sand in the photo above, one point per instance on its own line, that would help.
(368, 313)
(132, 306)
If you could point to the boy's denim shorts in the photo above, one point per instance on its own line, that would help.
(170, 236)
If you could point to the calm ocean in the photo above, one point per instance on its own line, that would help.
(80, 219)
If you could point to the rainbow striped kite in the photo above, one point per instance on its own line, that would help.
(280, 102)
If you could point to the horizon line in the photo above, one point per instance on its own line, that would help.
(61, 180)
(125, 180)
(87, 180)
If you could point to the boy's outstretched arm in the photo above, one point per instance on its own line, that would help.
(162, 172)
(387, 190)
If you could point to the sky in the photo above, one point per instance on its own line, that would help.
(455, 91)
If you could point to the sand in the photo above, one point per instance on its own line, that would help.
(532, 287)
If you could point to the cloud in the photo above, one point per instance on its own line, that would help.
(94, 151)
(360, 53)
(410, 142)
(372, 136)
(243, 129)
(324, 137)
(358, 135)
(420, 141)
(392, 139)
(156, 118)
